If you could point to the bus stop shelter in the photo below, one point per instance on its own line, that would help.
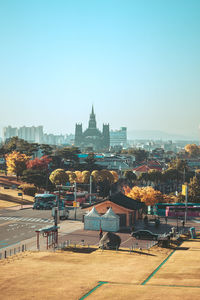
(51, 235)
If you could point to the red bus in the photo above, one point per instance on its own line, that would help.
(80, 198)
(179, 211)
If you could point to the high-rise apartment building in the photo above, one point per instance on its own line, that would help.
(30, 134)
(9, 132)
(118, 137)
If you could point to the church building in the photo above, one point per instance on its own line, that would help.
(92, 137)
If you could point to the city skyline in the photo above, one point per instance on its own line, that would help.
(137, 62)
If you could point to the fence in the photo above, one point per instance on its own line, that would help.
(9, 251)
(136, 245)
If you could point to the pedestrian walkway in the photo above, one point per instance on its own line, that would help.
(21, 219)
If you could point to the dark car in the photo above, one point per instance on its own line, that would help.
(145, 234)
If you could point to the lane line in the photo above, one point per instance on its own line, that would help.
(157, 269)
(92, 290)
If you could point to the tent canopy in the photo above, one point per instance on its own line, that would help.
(110, 214)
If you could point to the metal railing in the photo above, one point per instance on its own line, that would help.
(20, 247)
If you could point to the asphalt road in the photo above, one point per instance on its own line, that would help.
(21, 224)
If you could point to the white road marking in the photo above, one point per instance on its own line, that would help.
(36, 220)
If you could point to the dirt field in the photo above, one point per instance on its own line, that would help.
(68, 275)
(10, 198)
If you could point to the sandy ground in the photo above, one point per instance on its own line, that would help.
(69, 275)
(10, 198)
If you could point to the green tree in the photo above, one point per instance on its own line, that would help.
(46, 149)
(155, 176)
(20, 145)
(178, 164)
(90, 162)
(35, 176)
(69, 155)
(140, 154)
(130, 176)
(143, 177)
(169, 175)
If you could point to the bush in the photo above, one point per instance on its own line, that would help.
(28, 189)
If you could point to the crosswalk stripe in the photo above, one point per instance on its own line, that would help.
(27, 219)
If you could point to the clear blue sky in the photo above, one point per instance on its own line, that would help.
(137, 61)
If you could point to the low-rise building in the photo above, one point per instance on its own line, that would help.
(127, 209)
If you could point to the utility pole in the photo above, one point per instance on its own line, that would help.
(90, 189)
(75, 202)
(186, 201)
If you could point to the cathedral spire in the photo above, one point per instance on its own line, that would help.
(92, 110)
(92, 121)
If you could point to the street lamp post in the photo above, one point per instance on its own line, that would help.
(186, 202)
(75, 200)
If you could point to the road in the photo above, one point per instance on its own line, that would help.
(21, 224)
(17, 225)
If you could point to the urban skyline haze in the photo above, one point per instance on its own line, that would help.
(137, 62)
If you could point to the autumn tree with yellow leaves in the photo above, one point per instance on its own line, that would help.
(16, 163)
(192, 150)
(144, 194)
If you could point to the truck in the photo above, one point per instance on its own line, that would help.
(63, 213)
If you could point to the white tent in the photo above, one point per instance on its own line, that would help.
(92, 221)
(110, 221)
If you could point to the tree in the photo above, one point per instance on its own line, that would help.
(16, 163)
(69, 155)
(37, 172)
(36, 177)
(90, 162)
(179, 164)
(59, 176)
(22, 146)
(115, 176)
(155, 176)
(145, 194)
(103, 180)
(86, 177)
(140, 154)
(170, 199)
(107, 175)
(130, 176)
(46, 149)
(71, 176)
(3, 153)
(143, 177)
(39, 163)
(194, 190)
(170, 174)
(79, 177)
(192, 150)
(96, 176)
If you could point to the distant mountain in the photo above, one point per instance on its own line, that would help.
(156, 135)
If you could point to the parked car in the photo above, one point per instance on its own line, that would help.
(145, 234)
